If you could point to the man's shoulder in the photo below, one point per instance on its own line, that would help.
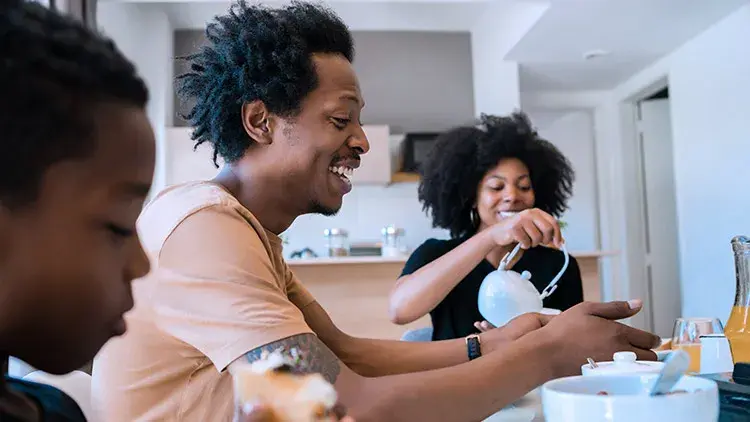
(171, 207)
(180, 201)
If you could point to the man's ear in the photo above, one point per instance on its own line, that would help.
(257, 122)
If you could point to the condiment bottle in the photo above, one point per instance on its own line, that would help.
(737, 329)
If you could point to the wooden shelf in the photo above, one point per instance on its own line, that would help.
(403, 177)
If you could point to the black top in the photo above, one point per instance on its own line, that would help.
(56, 406)
(455, 316)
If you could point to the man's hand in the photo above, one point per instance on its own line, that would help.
(589, 330)
(494, 338)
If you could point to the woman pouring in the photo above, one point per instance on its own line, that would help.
(492, 186)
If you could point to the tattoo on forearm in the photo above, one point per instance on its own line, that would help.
(312, 355)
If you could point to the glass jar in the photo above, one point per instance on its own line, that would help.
(337, 242)
(738, 325)
(393, 241)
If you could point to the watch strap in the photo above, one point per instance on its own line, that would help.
(473, 346)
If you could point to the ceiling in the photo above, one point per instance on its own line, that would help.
(359, 15)
(634, 32)
(551, 45)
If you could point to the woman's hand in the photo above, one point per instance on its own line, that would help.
(530, 228)
(483, 326)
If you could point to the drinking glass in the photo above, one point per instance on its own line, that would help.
(687, 336)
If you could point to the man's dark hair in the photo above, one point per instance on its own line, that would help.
(53, 73)
(462, 156)
(256, 53)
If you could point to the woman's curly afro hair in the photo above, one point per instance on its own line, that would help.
(462, 156)
(254, 53)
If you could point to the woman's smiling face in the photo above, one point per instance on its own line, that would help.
(504, 189)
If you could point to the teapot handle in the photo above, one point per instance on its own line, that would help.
(509, 257)
(552, 286)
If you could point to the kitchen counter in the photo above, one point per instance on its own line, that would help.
(348, 260)
(355, 289)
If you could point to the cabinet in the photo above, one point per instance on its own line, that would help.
(183, 164)
(375, 168)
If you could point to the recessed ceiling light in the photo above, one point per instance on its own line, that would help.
(593, 54)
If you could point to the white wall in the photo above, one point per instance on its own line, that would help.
(572, 133)
(499, 27)
(144, 35)
(709, 84)
(366, 210)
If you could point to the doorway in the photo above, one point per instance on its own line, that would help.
(658, 212)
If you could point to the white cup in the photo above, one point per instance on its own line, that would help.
(716, 356)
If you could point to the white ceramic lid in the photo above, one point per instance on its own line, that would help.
(623, 363)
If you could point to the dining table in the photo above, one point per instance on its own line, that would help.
(527, 409)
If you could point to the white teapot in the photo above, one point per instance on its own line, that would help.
(505, 294)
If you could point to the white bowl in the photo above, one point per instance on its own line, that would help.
(575, 399)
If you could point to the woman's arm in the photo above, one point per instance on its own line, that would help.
(416, 294)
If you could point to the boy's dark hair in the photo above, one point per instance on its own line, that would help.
(462, 156)
(53, 72)
(256, 53)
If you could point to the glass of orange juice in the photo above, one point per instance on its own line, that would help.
(687, 336)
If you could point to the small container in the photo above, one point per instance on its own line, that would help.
(393, 241)
(622, 363)
(337, 242)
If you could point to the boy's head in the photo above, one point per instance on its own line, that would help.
(76, 163)
(275, 94)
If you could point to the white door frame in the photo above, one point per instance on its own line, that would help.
(621, 204)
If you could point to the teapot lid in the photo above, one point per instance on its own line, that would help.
(623, 363)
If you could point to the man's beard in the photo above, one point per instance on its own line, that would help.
(318, 208)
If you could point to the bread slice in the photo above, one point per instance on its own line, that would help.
(292, 397)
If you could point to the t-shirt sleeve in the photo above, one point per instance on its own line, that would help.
(219, 291)
(296, 292)
(427, 252)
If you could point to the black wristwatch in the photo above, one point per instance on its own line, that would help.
(473, 346)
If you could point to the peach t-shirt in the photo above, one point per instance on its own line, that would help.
(218, 288)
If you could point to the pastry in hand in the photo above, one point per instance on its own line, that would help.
(290, 396)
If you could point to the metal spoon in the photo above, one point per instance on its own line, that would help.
(592, 364)
(675, 366)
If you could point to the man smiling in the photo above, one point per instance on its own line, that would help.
(276, 97)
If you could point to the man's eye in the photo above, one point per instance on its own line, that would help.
(120, 231)
(340, 123)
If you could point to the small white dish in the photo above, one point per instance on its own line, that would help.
(575, 399)
(622, 363)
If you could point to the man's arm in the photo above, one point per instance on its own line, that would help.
(471, 391)
(374, 358)
(477, 389)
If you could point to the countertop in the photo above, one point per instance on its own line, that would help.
(352, 260)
